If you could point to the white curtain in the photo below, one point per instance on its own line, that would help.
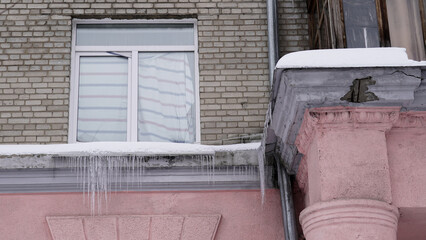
(166, 98)
(102, 100)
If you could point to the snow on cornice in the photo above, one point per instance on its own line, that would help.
(121, 148)
(348, 57)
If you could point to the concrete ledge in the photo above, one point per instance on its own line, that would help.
(221, 158)
(226, 167)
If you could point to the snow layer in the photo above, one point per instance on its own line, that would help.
(121, 148)
(348, 57)
(236, 147)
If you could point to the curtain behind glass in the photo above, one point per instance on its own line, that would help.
(102, 100)
(166, 109)
(405, 27)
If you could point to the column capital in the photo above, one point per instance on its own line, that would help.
(338, 118)
(297, 89)
(411, 120)
(354, 218)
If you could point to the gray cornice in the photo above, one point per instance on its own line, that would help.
(52, 173)
(153, 179)
(222, 158)
(294, 90)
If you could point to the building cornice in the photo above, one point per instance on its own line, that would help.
(225, 170)
(296, 90)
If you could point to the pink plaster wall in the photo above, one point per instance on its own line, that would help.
(366, 153)
(412, 224)
(314, 185)
(338, 170)
(407, 161)
(353, 164)
(23, 216)
(346, 154)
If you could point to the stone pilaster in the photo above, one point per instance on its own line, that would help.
(345, 173)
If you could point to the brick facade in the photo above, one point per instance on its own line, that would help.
(292, 26)
(35, 56)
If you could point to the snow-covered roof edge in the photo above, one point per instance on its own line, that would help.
(348, 57)
(121, 148)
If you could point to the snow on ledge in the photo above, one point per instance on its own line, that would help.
(121, 148)
(235, 147)
(348, 57)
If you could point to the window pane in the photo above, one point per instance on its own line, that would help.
(361, 25)
(102, 100)
(134, 34)
(166, 98)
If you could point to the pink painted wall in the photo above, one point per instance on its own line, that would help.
(23, 216)
(357, 154)
(407, 162)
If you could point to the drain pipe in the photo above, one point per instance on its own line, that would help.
(272, 37)
(289, 220)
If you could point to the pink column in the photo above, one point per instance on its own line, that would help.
(359, 219)
(345, 174)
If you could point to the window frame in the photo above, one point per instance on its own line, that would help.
(79, 51)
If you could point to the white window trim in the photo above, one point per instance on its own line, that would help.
(77, 51)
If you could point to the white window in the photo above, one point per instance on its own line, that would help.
(134, 80)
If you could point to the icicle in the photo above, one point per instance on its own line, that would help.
(213, 168)
(261, 153)
(99, 175)
(365, 37)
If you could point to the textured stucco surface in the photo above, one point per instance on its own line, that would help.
(407, 160)
(23, 216)
(412, 222)
(353, 164)
(364, 153)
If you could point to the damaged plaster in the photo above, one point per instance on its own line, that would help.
(358, 91)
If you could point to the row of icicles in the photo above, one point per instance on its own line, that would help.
(99, 176)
